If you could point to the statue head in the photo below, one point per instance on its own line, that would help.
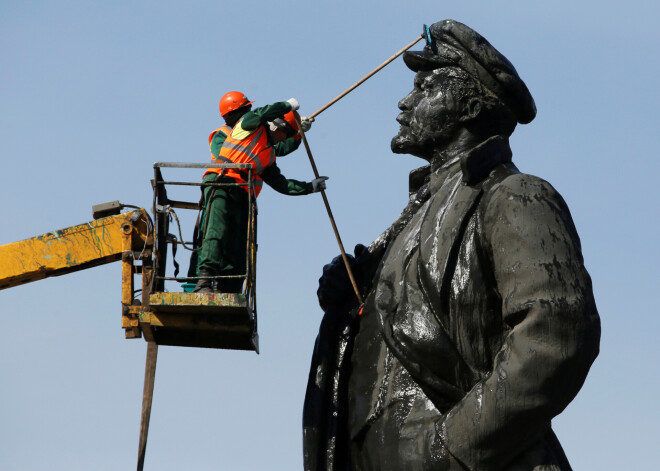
(464, 92)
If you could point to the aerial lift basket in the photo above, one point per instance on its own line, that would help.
(215, 320)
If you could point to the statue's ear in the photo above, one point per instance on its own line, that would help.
(470, 109)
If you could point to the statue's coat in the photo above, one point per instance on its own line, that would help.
(479, 328)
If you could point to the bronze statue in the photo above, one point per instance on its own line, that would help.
(479, 323)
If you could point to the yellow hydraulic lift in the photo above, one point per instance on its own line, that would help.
(217, 320)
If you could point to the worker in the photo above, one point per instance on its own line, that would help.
(268, 132)
(233, 105)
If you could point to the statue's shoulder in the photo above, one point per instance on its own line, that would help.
(527, 202)
(508, 183)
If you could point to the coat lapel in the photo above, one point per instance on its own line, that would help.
(439, 241)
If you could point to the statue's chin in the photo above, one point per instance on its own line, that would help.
(402, 145)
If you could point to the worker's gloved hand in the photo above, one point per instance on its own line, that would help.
(306, 123)
(318, 184)
(294, 103)
(335, 287)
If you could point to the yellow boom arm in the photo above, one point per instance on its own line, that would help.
(75, 248)
(126, 236)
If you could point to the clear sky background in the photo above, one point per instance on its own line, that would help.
(92, 93)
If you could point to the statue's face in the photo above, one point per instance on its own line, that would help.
(429, 117)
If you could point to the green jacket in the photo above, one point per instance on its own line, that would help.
(271, 175)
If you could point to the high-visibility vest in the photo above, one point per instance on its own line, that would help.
(224, 129)
(252, 149)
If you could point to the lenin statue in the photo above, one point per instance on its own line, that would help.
(479, 323)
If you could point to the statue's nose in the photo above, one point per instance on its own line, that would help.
(405, 102)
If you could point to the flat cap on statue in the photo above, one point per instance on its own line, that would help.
(458, 45)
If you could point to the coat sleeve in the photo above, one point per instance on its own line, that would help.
(260, 116)
(287, 186)
(287, 146)
(552, 326)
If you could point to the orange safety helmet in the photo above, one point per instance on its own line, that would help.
(232, 101)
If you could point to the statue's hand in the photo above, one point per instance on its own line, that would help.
(335, 286)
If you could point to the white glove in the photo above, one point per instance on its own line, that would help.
(306, 123)
(318, 184)
(294, 103)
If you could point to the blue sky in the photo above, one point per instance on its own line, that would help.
(92, 93)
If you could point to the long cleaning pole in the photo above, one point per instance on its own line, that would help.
(364, 79)
(426, 36)
(327, 207)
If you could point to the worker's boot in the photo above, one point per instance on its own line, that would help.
(204, 285)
